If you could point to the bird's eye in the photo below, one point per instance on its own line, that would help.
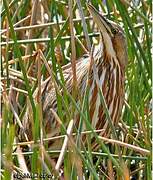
(114, 31)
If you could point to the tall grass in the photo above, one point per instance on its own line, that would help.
(38, 38)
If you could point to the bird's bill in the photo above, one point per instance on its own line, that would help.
(101, 22)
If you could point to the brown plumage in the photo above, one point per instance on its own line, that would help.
(110, 59)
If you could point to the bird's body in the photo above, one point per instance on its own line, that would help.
(110, 59)
(111, 81)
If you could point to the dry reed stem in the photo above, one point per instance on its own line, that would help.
(54, 138)
(32, 22)
(135, 148)
(23, 28)
(64, 146)
(22, 162)
(73, 50)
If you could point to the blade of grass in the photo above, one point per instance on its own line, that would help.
(84, 25)
(17, 50)
(127, 20)
(54, 62)
(137, 11)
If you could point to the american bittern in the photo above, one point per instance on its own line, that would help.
(110, 59)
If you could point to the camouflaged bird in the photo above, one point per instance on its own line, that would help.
(110, 60)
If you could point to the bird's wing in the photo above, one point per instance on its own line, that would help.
(49, 100)
(48, 95)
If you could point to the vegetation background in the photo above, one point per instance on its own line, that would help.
(36, 34)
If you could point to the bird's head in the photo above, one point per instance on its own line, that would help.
(113, 37)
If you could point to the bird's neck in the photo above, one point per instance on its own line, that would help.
(106, 44)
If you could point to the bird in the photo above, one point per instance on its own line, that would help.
(110, 60)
